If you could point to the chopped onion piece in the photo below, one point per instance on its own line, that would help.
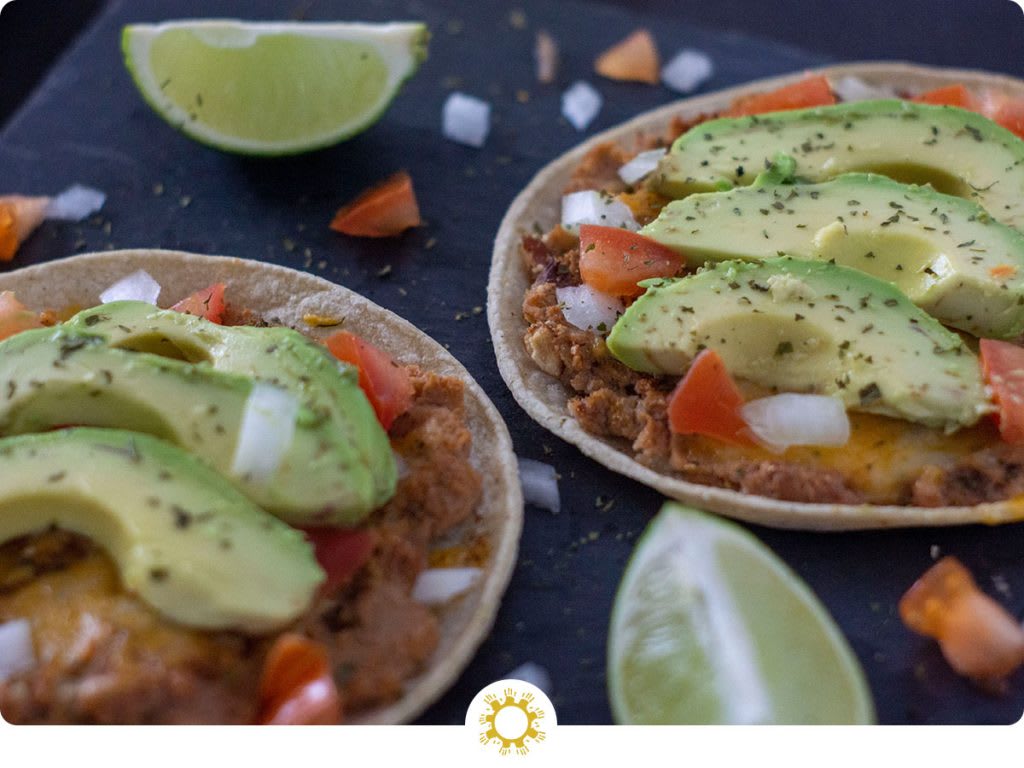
(466, 119)
(268, 426)
(852, 88)
(75, 203)
(790, 419)
(17, 653)
(540, 485)
(436, 586)
(587, 309)
(546, 53)
(580, 104)
(641, 165)
(138, 286)
(687, 70)
(532, 673)
(592, 207)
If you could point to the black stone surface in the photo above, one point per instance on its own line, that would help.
(86, 124)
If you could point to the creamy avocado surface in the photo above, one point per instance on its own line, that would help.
(341, 475)
(946, 254)
(956, 151)
(807, 326)
(183, 539)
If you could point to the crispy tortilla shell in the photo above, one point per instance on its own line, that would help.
(545, 398)
(284, 296)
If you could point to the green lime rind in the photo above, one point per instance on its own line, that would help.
(418, 44)
(710, 627)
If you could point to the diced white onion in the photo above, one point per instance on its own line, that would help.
(466, 119)
(641, 165)
(687, 70)
(540, 485)
(591, 207)
(75, 203)
(532, 673)
(268, 426)
(436, 586)
(791, 419)
(587, 309)
(852, 88)
(17, 654)
(546, 53)
(138, 286)
(580, 104)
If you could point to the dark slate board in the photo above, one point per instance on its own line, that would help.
(87, 124)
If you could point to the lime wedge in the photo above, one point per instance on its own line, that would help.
(710, 627)
(271, 88)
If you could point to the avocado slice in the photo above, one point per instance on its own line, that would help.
(355, 462)
(184, 540)
(945, 253)
(807, 326)
(958, 152)
(62, 375)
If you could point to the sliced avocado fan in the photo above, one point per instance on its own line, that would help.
(183, 539)
(349, 472)
(66, 376)
(807, 326)
(958, 152)
(945, 253)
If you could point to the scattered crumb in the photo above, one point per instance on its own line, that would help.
(548, 450)
(430, 243)
(108, 228)
(1001, 585)
(321, 321)
(517, 18)
(158, 189)
(322, 264)
(288, 244)
(454, 26)
(384, 271)
(477, 310)
(522, 96)
(402, 291)
(934, 551)
(185, 201)
(452, 82)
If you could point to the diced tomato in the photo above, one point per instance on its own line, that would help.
(634, 59)
(386, 384)
(1003, 109)
(978, 637)
(813, 91)
(296, 687)
(208, 303)
(19, 217)
(341, 552)
(1003, 366)
(707, 402)
(614, 260)
(15, 317)
(384, 210)
(949, 96)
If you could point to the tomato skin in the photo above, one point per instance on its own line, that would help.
(15, 317)
(385, 383)
(707, 402)
(19, 217)
(208, 303)
(955, 95)
(296, 687)
(614, 260)
(341, 552)
(1003, 109)
(384, 210)
(1003, 366)
(812, 91)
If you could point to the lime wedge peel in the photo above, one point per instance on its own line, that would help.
(271, 88)
(710, 627)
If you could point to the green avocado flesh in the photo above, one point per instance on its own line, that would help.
(807, 326)
(183, 539)
(945, 253)
(340, 477)
(958, 152)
